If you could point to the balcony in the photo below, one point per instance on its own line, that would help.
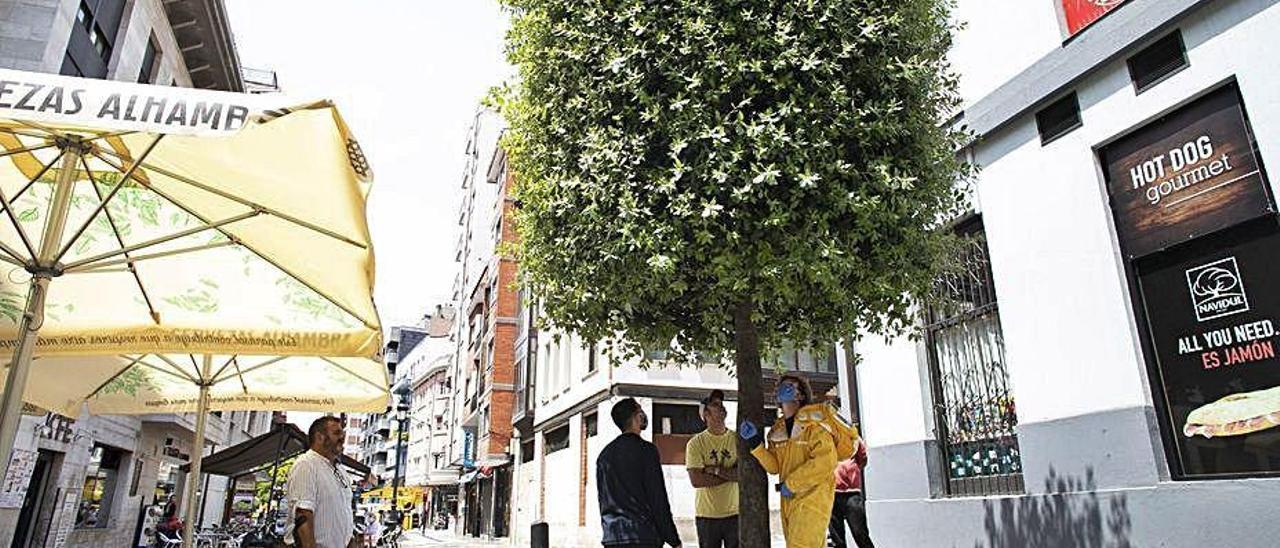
(215, 427)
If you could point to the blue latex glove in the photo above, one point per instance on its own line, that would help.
(786, 492)
(787, 393)
(747, 429)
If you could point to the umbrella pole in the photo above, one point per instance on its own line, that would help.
(197, 453)
(42, 270)
(271, 495)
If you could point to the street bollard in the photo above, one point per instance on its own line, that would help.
(540, 535)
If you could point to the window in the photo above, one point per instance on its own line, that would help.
(93, 38)
(147, 73)
(1058, 119)
(555, 440)
(99, 487)
(975, 414)
(566, 364)
(526, 451)
(655, 354)
(593, 356)
(676, 419)
(809, 360)
(1157, 62)
(591, 423)
(673, 426)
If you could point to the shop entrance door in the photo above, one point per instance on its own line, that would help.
(501, 500)
(29, 515)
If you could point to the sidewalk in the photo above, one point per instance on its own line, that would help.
(436, 539)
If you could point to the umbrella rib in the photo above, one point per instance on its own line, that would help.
(108, 135)
(178, 368)
(106, 267)
(244, 388)
(260, 255)
(128, 174)
(122, 371)
(180, 376)
(93, 182)
(162, 240)
(12, 131)
(36, 179)
(271, 361)
(196, 367)
(349, 372)
(9, 257)
(249, 203)
(224, 367)
(25, 149)
(8, 209)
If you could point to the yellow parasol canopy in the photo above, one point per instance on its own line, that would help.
(158, 220)
(143, 384)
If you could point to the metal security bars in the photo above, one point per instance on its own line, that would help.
(973, 406)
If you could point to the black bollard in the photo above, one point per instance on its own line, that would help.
(540, 535)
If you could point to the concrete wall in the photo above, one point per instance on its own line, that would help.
(26, 29)
(1093, 463)
(34, 36)
(143, 19)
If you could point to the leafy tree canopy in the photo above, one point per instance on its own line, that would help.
(679, 158)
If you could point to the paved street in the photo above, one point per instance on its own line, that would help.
(416, 539)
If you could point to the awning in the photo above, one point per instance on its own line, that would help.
(260, 452)
(468, 477)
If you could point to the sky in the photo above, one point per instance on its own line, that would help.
(408, 76)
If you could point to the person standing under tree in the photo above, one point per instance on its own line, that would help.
(712, 460)
(801, 450)
(851, 505)
(634, 510)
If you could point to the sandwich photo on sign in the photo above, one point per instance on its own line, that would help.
(1236, 415)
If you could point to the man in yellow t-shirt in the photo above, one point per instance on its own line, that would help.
(712, 460)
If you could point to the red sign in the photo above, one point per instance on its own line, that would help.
(1082, 13)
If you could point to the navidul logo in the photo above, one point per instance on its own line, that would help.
(1217, 290)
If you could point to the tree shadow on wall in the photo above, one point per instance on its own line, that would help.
(1069, 515)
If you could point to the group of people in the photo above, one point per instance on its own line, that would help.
(817, 458)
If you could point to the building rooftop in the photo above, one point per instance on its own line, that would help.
(204, 34)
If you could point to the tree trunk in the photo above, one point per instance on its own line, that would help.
(753, 488)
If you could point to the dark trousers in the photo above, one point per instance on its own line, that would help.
(717, 532)
(850, 508)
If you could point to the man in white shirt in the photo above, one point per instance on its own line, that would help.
(319, 493)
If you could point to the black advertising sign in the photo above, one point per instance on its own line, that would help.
(1213, 314)
(1187, 174)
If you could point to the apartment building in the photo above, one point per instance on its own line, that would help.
(484, 363)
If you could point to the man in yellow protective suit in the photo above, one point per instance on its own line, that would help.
(801, 451)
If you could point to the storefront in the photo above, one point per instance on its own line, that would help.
(1114, 373)
(73, 482)
(1196, 218)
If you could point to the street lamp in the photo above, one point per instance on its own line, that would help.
(402, 393)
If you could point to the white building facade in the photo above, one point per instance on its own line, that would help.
(565, 392)
(1119, 308)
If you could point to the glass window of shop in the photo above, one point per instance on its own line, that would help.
(100, 484)
(166, 481)
(1195, 218)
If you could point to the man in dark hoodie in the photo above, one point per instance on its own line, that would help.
(634, 510)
